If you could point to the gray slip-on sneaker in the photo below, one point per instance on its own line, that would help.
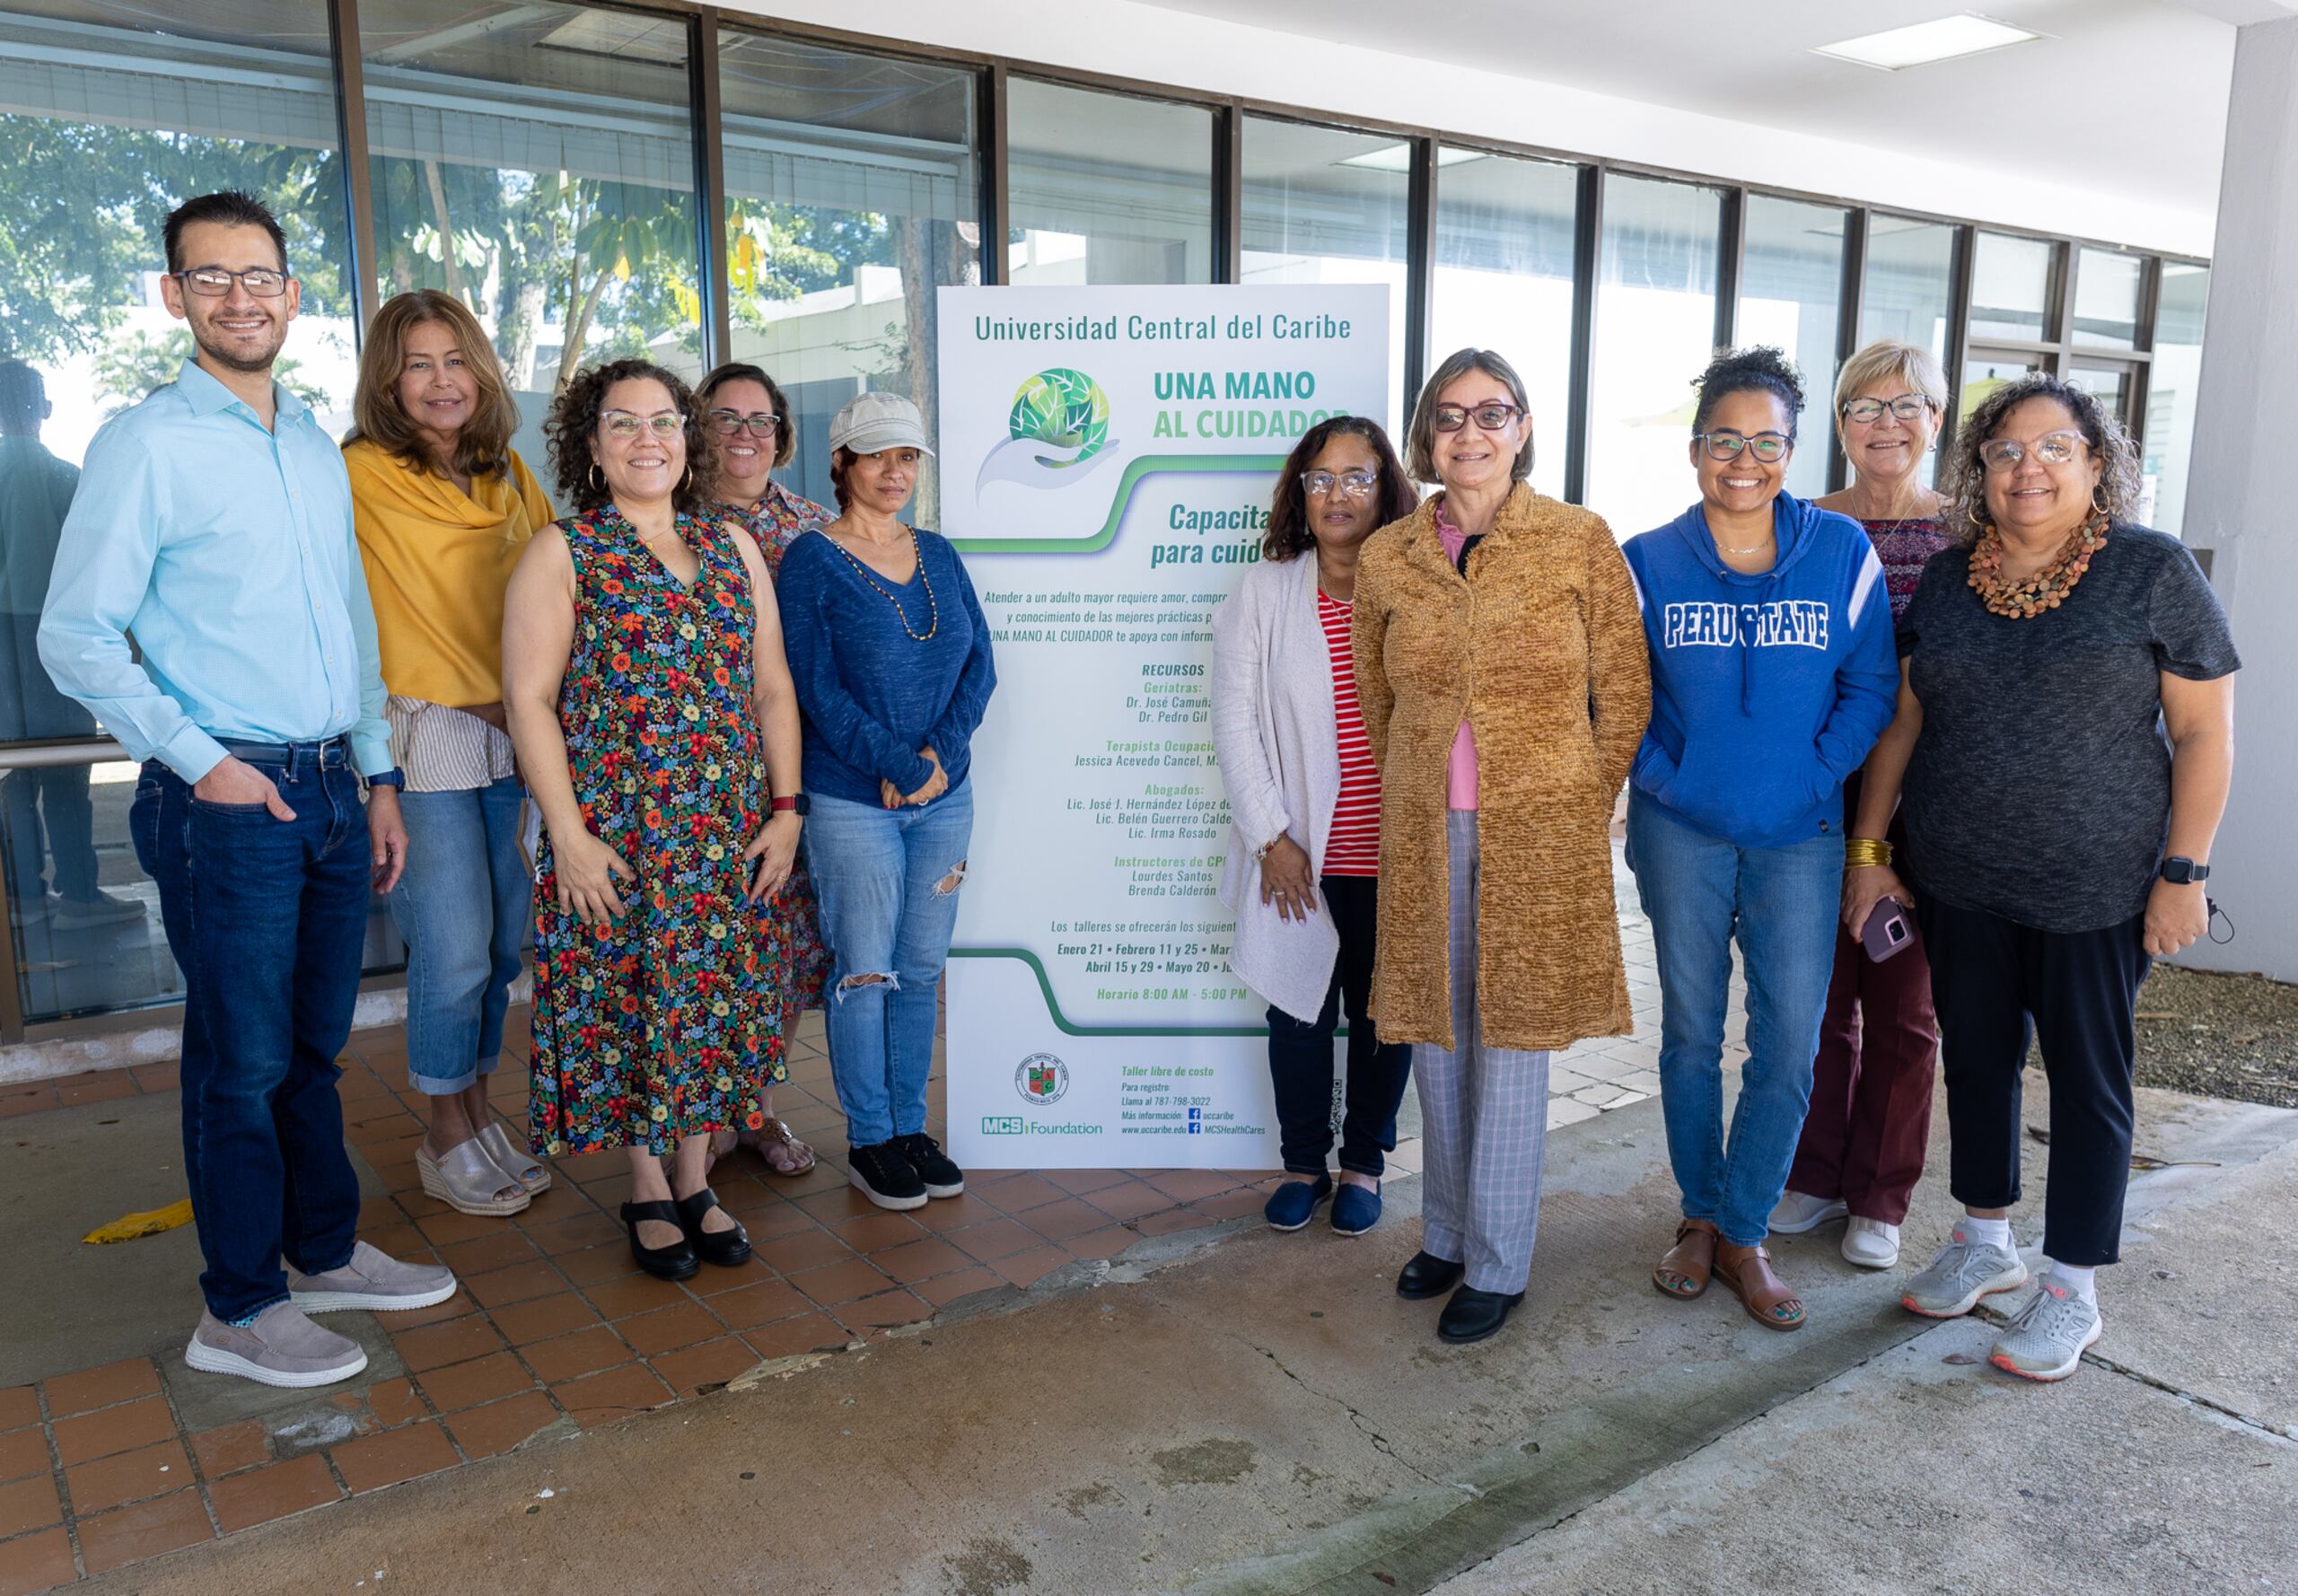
(373, 1280)
(279, 1347)
(2049, 1338)
(1962, 1273)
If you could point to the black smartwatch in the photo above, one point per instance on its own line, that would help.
(2183, 872)
(389, 778)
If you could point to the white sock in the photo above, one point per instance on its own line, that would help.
(2081, 1282)
(1989, 1233)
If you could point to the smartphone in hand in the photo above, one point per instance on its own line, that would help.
(1886, 932)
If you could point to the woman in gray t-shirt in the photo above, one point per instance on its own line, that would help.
(2065, 721)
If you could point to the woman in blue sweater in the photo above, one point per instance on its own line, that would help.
(891, 655)
(1772, 675)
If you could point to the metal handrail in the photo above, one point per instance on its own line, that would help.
(36, 756)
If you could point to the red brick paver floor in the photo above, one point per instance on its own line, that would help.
(555, 1329)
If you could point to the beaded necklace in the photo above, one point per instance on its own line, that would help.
(933, 607)
(2029, 596)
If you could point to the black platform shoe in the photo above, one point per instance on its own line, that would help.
(1428, 1275)
(675, 1262)
(725, 1248)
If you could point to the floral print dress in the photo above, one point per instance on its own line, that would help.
(666, 1023)
(780, 516)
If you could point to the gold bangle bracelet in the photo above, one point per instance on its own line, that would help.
(1860, 851)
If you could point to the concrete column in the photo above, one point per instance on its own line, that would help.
(2242, 505)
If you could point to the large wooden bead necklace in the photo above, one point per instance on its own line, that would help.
(932, 607)
(2029, 596)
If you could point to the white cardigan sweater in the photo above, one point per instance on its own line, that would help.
(1279, 751)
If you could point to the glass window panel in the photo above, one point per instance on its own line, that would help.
(1327, 205)
(2111, 384)
(115, 114)
(1505, 283)
(2171, 384)
(1107, 188)
(1983, 375)
(1904, 295)
(537, 161)
(852, 193)
(2106, 298)
(1790, 294)
(1655, 330)
(2010, 286)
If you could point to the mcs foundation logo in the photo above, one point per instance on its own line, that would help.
(1059, 428)
(1041, 1079)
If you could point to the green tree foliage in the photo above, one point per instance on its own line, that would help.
(134, 363)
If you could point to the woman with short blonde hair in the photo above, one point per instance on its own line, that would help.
(442, 506)
(1869, 1126)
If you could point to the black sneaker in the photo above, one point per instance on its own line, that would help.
(885, 1177)
(942, 1178)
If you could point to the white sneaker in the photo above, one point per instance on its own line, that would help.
(371, 1280)
(1799, 1210)
(1871, 1243)
(2049, 1338)
(279, 1346)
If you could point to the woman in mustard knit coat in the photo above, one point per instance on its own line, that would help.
(1501, 667)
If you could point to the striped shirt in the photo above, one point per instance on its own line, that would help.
(1353, 846)
(442, 750)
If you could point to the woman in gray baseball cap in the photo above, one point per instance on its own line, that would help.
(891, 655)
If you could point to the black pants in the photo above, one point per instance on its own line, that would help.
(1994, 982)
(1300, 1057)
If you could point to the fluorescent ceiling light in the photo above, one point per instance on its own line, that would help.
(1926, 42)
(1399, 158)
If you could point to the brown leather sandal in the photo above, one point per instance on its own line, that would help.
(1746, 1272)
(1684, 1272)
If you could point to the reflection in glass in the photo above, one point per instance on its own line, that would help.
(2010, 286)
(1656, 330)
(537, 161)
(1107, 188)
(1325, 204)
(2106, 298)
(1791, 291)
(851, 194)
(1503, 282)
(114, 114)
(2110, 384)
(1982, 377)
(1905, 293)
(2172, 381)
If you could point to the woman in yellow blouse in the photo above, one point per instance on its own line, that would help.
(444, 507)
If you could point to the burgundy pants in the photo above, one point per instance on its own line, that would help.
(1869, 1120)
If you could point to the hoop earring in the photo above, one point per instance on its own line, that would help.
(597, 479)
(685, 478)
(2097, 505)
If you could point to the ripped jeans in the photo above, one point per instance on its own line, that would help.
(888, 880)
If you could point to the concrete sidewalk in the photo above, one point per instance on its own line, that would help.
(1263, 1416)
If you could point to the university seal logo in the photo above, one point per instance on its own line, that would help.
(1041, 1079)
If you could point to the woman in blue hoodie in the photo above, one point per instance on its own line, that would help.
(1772, 675)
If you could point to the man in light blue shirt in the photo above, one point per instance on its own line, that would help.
(214, 521)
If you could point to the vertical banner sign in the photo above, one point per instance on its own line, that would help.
(1108, 457)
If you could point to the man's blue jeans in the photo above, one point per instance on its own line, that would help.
(888, 881)
(1780, 902)
(463, 907)
(267, 919)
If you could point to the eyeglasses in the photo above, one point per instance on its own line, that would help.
(1493, 418)
(1907, 406)
(213, 282)
(1766, 447)
(2052, 449)
(1347, 485)
(729, 423)
(623, 425)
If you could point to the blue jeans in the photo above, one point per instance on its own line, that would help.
(267, 919)
(1700, 892)
(463, 906)
(887, 913)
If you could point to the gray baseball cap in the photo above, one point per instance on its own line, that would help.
(870, 422)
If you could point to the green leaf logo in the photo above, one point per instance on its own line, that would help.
(1064, 408)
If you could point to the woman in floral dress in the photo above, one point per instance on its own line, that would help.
(654, 716)
(751, 433)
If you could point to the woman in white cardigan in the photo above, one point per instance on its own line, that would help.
(1305, 807)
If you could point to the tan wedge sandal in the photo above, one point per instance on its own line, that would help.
(530, 1172)
(467, 1180)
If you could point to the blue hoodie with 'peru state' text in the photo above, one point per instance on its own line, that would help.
(1766, 690)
